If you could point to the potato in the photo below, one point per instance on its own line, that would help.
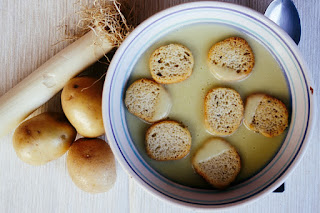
(91, 165)
(43, 138)
(81, 102)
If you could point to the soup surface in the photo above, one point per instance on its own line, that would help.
(188, 102)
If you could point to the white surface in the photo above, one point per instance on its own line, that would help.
(28, 32)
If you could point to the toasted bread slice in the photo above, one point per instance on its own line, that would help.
(266, 115)
(223, 111)
(148, 100)
(171, 64)
(231, 59)
(168, 140)
(218, 162)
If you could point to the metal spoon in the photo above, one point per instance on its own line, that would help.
(285, 14)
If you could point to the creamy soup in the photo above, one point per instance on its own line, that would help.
(188, 102)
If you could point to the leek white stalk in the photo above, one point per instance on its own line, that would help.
(49, 79)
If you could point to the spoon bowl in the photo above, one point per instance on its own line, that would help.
(285, 14)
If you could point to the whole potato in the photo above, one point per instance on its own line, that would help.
(43, 138)
(81, 101)
(91, 165)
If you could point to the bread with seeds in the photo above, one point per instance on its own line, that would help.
(167, 140)
(231, 59)
(223, 111)
(148, 100)
(218, 162)
(171, 64)
(266, 115)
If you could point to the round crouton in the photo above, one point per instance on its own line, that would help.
(231, 59)
(223, 111)
(266, 115)
(168, 140)
(171, 64)
(218, 162)
(148, 100)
